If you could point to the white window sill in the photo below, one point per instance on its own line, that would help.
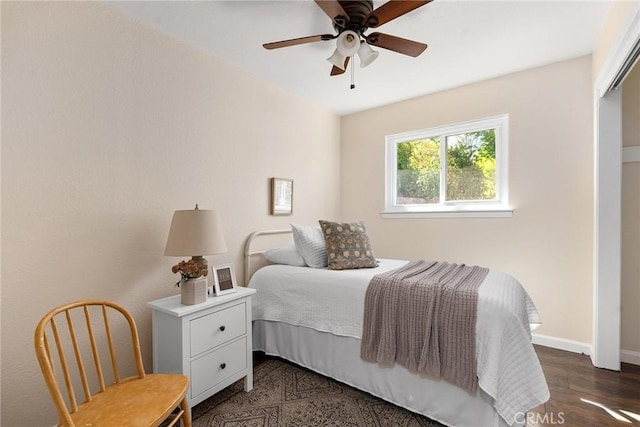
(450, 213)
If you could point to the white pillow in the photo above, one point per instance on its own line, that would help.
(310, 244)
(287, 255)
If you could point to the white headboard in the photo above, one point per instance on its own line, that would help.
(249, 252)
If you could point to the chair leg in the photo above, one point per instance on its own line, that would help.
(186, 416)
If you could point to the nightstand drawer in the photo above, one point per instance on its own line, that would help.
(210, 369)
(217, 328)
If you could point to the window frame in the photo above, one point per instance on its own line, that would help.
(498, 207)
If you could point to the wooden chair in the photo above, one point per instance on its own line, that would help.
(85, 332)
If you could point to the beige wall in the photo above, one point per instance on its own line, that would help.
(107, 128)
(548, 242)
(630, 336)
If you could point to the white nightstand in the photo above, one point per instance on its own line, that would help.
(209, 342)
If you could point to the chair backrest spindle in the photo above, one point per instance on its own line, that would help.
(76, 352)
(137, 353)
(94, 349)
(64, 366)
(112, 353)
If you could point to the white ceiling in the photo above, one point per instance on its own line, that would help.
(469, 41)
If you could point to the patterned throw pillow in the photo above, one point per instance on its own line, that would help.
(348, 245)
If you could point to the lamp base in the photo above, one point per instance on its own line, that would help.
(193, 291)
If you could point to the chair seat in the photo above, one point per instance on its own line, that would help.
(134, 402)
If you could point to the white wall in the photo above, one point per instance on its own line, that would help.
(107, 128)
(548, 243)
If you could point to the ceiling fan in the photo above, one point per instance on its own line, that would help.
(351, 19)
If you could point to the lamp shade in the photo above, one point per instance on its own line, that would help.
(348, 43)
(337, 59)
(367, 55)
(195, 232)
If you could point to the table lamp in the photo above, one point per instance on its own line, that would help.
(194, 233)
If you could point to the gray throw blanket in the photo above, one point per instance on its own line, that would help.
(423, 316)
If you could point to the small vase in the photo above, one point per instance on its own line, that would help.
(193, 291)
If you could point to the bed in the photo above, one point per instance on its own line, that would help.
(313, 317)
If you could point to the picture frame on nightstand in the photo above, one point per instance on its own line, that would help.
(224, 279)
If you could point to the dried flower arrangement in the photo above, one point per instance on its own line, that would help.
(191, 269)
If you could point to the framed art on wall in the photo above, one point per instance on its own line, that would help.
(224, 280)
(281, 196)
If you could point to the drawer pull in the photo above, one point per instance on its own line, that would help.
(222, 328)
(222, 366)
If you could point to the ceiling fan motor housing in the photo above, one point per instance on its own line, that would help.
(357, 12)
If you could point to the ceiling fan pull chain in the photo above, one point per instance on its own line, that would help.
(353, 71)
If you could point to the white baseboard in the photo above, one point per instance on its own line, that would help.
(562, 344)
(628, 356)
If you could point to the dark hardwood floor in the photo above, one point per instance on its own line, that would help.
(572, 379)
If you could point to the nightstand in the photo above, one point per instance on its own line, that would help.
(210, 342)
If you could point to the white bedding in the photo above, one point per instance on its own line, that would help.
(333, 301)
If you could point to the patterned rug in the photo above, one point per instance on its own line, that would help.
(285, 394)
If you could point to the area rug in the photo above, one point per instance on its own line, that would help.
(285, 394)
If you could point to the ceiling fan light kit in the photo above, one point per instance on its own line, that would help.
(351, 20)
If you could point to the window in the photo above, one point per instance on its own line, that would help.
(456, 170)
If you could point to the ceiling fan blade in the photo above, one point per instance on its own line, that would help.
(337, 71)
(300, 40)
(391, 10)
(334, 10)
(396, 44)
